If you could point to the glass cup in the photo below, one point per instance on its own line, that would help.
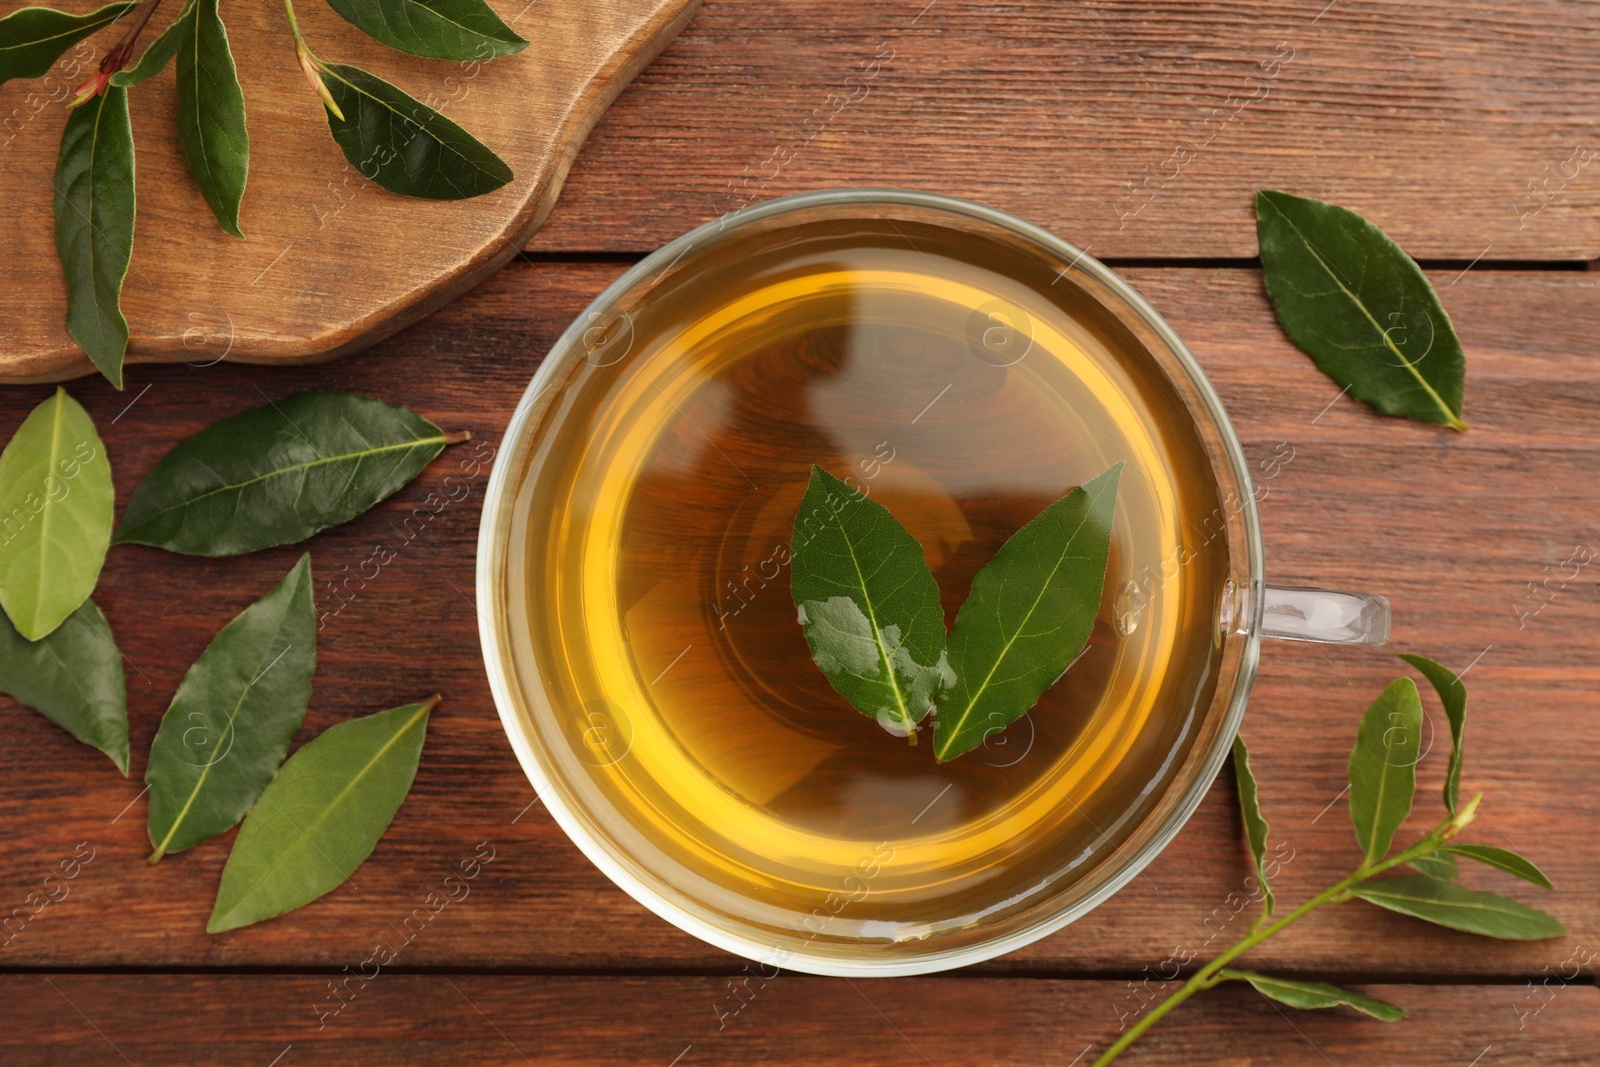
(558, 745)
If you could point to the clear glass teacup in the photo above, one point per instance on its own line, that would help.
(965, 368)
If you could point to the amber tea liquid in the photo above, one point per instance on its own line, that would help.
(682, 705)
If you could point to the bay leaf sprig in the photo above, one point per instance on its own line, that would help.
(1362, 309)
(321, 817)
(1382, 787)
(395, 140)
(277, 474)
(231, 721)
(870, 609)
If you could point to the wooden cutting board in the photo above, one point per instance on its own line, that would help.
(330, 262)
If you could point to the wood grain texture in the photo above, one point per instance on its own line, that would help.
(439, 1019)
(1134, 128)
(1450, 526)
(331, 262)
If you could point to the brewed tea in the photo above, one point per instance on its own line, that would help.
(694, 726)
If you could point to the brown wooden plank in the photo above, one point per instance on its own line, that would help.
(1451, 526)
(1132, 128)
(437, 1019)
(692, 1021)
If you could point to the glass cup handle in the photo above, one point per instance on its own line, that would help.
(1295, 613)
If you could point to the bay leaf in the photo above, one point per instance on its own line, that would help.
(231, 721)
(1452, 693)
(1383, 771)
(1028, 616)
(55, 515)
(1314, 994)
(1255, 824)
(868, 604)
(73, 677)
(159, 52)
(1436, 865)
(279, 473)
(94, 209)
(435, 29)
(403, 144)
(1502, 859)
(33, 38)
(1361, 308)
(211, 128)
(321, 817)
(1487, 914)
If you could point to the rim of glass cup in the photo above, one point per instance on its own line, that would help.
(491, 541)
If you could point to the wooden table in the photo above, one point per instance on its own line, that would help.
(1457, 127)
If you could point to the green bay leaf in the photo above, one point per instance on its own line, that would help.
(1436, 865)
(211, 127)
(868, 604)
(159, 52)
(403, 144)
(1028, 616)
(435, 29)
(1487, 914)
(1313, 994)
(231, 721)
(32, 39)
(1452, 693)
(74, 678)
(55, 515)
(1383, 766)
(279, 473)
(1361, 308)
(1255, 824)
(94, 209)
(1502, 859)
(321, 816)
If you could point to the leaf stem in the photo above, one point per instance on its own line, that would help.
(310, 65)
(456, 437)
(294, 24)
(115, 59)
(118, 56)
(1206, 977)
